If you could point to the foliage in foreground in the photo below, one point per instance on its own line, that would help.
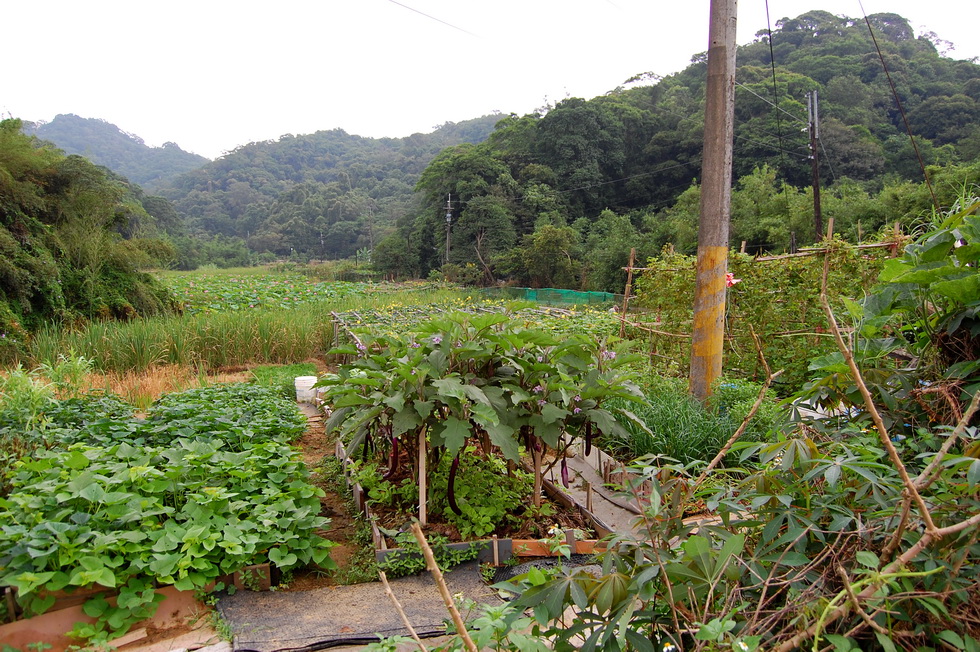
(191, 493)
(833, 536)
(813, 538)
(926, 307)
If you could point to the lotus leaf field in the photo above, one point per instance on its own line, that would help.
(282, 291)
(398, 318)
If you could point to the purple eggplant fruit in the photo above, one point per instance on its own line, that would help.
(451, 489)
(392, 459)
(564, 473)
(588, 437)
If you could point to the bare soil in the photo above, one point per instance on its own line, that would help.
(342, 529)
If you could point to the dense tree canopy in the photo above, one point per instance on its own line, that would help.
(601, 176)
(63, 254)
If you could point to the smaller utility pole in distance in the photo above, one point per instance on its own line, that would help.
(449, 219)
(814, 122)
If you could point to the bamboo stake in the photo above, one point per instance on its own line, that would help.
(626, 293)
(423, 517)
(401, 612)
(433, 567)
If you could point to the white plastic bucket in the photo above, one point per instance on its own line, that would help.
(304, 388)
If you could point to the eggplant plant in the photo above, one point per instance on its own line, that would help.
(486, 380)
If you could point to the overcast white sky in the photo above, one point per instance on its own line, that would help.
(211, 75)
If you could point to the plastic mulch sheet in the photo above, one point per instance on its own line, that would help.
(344, 615)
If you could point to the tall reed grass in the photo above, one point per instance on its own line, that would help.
(217, 340)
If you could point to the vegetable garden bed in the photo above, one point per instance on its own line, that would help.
(495, 550)
(203, 487)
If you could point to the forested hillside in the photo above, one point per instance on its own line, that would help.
(558, 197)
(72, 240)
(126, 154)
(321, 195)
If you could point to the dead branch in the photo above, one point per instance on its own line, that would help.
(869, 403)
(855, 604)
(924, 479)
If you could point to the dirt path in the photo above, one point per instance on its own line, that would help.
(315, 447)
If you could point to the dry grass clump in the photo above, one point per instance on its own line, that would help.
(141, 388)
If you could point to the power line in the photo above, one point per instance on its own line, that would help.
(775, 148)
(767, 101)
(826, 157)
(422, 13)
(775, 93)
(632, 176)
(901, 108)
(756, 130)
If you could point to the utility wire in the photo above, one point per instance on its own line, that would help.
(769, 102)
(632, 176)
(775, 92)
(826, 157)
(758, 130)
(772, 146)
(422, 13)
(901, 109)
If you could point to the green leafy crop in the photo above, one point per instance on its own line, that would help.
(204, 487)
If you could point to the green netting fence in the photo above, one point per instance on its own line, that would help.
(552, 296)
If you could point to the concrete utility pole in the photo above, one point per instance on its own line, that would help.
(449, 220)
(708, 336)
(814, 122)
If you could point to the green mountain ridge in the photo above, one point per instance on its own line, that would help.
(73, 238)
(325, 194)
(126, 154)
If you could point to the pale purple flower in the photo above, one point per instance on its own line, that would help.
(577, 398)
(608, 355)
(538, 389)
(414, 345)
(542, 402)
(361, 347)
(436, 339)
(576, 410)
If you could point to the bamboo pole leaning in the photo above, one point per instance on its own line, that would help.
(433, 568)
